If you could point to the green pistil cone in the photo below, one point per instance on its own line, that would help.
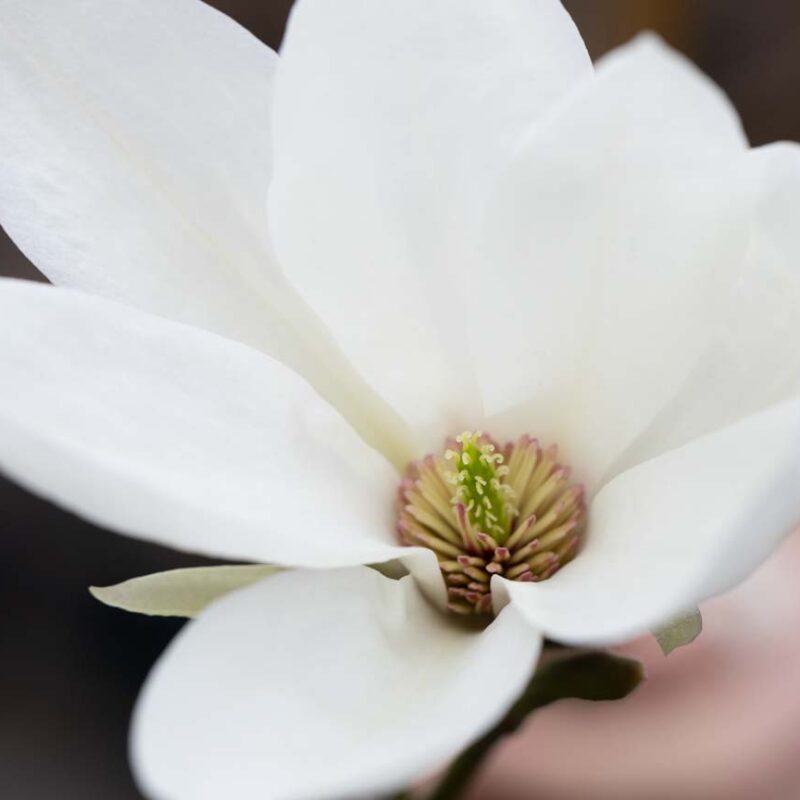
(479, 478)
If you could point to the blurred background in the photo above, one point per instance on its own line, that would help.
(718, 720)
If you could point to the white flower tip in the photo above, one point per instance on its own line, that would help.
(657, 66)
(646, 46)
(650, 40)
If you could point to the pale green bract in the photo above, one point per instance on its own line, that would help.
(180, 592)
(680, 631)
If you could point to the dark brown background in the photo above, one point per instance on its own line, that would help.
(70, 668)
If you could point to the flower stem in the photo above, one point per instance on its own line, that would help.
(588, 675)
(468, 763)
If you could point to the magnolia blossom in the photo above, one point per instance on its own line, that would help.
(428, 290)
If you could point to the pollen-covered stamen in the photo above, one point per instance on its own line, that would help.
(486, 510)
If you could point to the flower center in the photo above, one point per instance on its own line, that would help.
(487, 510)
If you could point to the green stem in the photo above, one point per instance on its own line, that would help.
(462, 770)
(586, 675)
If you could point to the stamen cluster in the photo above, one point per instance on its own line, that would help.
(487, 510)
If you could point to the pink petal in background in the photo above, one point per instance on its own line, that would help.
(717, 720)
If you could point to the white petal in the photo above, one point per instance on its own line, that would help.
(316, 685)
(610, 235)
(135, 158)
(180, 592)
(753, 359)
(673, 531)
(173, 434)
(390, 121)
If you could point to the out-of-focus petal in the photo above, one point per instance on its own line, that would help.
(753, 358)
(322, 684)
(607, 244)
(673, 531)
(391, 119)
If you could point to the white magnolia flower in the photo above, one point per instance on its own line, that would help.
(282, 284)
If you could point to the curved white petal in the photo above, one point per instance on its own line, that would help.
(391, 118)
(135, 158)
(752, 359)
(180, 592)
(606, 244)
(317, 685)
(173, 434)
(673, 531)
(135, 153)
